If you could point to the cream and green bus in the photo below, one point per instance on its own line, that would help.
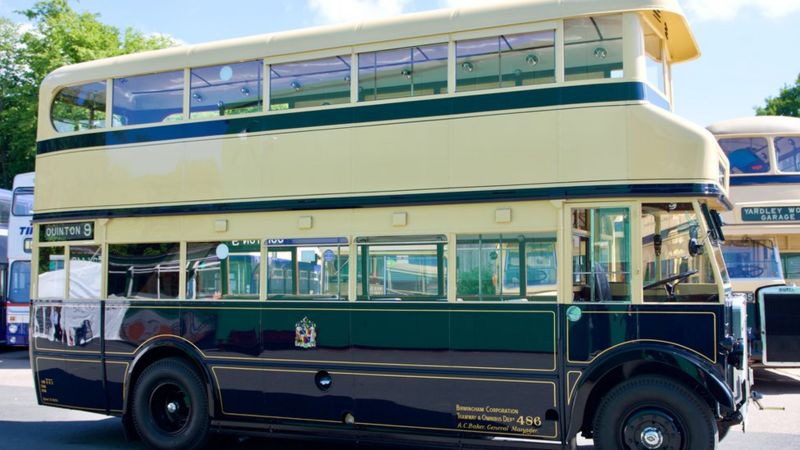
(763, 230)
(482, 227)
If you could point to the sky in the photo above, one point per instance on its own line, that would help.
(749, 47)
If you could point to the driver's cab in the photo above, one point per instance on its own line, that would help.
(675, 261)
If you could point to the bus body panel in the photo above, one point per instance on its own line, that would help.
(431, 368)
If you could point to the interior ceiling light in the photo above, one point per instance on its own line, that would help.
(406, 73)
(197, 97)
(296, 85)
(245, 91)
(532, 60)
(467, 66)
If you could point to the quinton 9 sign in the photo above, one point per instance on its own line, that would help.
(59, 232)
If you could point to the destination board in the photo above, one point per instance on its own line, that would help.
(59, 232)
(771, 214)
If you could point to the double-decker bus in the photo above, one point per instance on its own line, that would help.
(480, 227)
(20, 238)
(5, 209)
(762, 249)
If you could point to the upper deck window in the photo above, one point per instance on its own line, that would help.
(654, 52)
(148, 98)
(305, 84)
(402, 72)
(747, 155)
(593, 47)
(506, 61)
(788, 153)
(226, 90)
(77, 108)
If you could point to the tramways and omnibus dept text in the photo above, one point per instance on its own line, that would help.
(490, 418)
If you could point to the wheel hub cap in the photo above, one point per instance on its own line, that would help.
(652, 429)
(652, 438)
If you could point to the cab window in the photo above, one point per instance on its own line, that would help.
(676, 267)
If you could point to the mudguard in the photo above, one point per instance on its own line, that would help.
(643, 358)
(174, 346)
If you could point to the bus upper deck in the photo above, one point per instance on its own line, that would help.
(415, 109)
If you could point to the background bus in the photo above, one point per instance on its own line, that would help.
(5, 208)
(19, 259)
(763, 230)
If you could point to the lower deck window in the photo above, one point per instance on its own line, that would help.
(144, 271)
(85, 269)
(506, 267)
(402, 269)
(307, 269)
(601, 255)
(222, 270)
(51, 273)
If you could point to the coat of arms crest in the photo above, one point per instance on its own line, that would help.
(305, 334)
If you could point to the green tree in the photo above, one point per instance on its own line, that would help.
(787, 103)
(58, 36)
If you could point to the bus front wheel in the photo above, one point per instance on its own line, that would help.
(650, 412)
(170, 406)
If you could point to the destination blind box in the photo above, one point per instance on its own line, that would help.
(59, 232)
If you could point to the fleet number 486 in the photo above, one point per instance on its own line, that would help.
(529, 421)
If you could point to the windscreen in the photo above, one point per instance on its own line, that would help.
(23, 202)
(19, 284)
(749, 259)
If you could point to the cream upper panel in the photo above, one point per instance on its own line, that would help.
(613, 144)
(310, 42)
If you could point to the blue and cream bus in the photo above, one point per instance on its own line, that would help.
(5, 211)
(501, 235)
(20, 238)
(762, 249)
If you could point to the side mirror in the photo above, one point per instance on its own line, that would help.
(695, 248)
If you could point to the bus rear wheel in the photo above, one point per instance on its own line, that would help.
(653, 413)
(170, 406)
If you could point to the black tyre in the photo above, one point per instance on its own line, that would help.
(651, 412)
(170, 406)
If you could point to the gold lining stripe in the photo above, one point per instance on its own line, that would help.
(710, 313)
(572, 385)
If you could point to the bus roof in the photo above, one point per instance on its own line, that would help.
(682, 44)
(756, 125)
(24, 179)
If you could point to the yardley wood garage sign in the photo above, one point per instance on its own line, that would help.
(771, 214)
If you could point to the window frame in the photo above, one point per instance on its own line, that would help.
(444, 276)
(345, 242)
(531, 237)
(565, 237)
